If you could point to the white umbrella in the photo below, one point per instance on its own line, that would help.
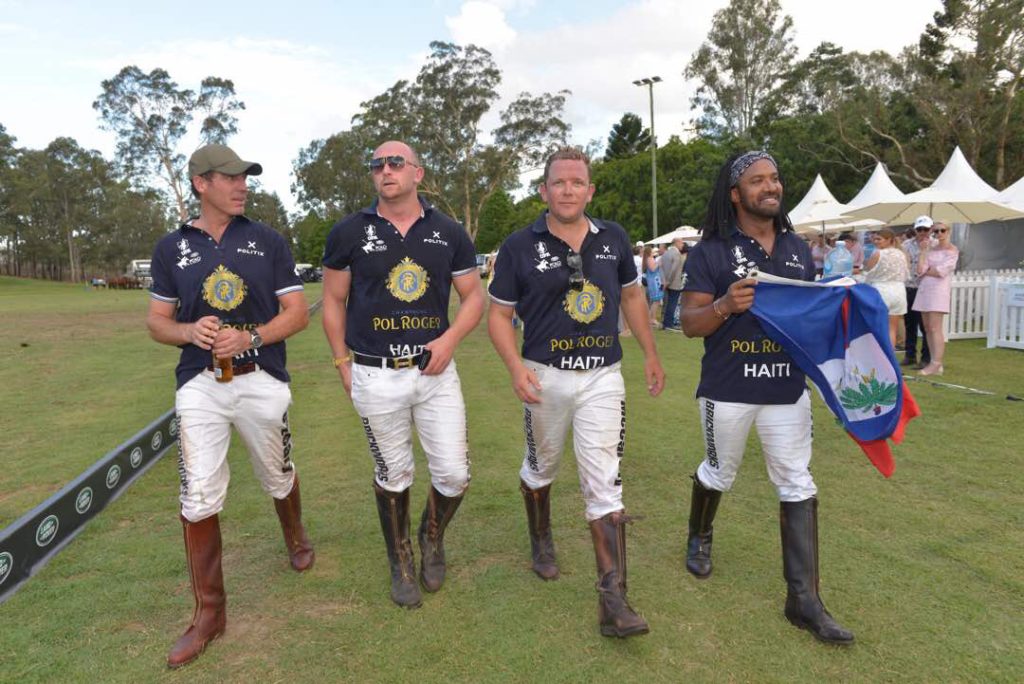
(958, 195)
(1012, 196)
(687, 233)
(820, 212)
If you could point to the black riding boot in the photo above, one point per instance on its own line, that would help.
(703, 506)
(799, 523)
(538, 517)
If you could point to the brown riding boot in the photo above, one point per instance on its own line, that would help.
(436, 515)
(393, 509)
(798, 521)
(203, 554)
(538, 516)
(289, 512)
(614, 614)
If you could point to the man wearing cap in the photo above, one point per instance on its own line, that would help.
(565, 275)
(748, 380)
(912, 319)
(225, 292)
(388, 273)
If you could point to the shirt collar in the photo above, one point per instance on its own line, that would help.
(234, 219)
(425, 207)
(540, 226)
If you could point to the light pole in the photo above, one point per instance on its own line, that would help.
(649, 82)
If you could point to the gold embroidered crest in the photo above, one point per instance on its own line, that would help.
(223, 290)
(586, 304)
(408, 280)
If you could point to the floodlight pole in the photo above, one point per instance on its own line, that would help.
(649, 82)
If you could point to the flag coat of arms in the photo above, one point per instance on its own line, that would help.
(837, 332)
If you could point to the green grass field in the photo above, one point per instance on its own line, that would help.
(925, 567)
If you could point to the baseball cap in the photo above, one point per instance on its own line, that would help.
(220, 158)
(923, 222)
(639, 243)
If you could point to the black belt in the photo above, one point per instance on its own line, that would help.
(241, 369)
(395, 362)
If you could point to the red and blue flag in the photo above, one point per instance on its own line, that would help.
(837, 332)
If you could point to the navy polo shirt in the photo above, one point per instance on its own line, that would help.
(564, 327)
(741, 364)
(238, 280)
(398, 300)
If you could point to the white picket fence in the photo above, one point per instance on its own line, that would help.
(1006, 314)
(970, 305)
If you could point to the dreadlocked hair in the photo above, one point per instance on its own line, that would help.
(720, 215)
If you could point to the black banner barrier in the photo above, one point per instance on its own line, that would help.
(27, 544)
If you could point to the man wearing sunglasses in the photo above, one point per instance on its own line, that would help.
(912, 319)
(388, 273)
(565, 276)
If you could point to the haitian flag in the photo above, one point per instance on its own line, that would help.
(837, 332)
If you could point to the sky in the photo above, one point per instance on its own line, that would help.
(302, 68)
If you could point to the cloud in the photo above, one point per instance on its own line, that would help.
(293, 93)
(482, 24)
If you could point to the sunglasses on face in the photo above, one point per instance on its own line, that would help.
(922, 229)
(940, 231)
(575, 262)
(395, 162)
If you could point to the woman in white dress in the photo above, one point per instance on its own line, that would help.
(888, 268)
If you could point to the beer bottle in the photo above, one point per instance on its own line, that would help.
(222, 368)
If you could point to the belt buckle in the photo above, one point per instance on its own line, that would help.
(404, 362)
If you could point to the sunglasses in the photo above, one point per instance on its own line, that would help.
(940, 231)
(395, 162)
(922, 229)
(575, 262)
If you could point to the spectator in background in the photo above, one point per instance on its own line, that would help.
(887, 270)
(855, 249)
(672, 281)
(652, 277)
(818, 251)
(918, 238)
(936, 266)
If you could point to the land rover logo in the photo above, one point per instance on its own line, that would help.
(47, 530)
(113, 476)
(84, 500)
(6, 563)
(157, 440)
(173, 427)
(136, 457)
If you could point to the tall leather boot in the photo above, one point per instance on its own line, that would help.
(203, 554)
(393, 508)
(436, 515)
(538, 517)
(703, 506)
(799, 524)
(614, 614)
(289, 512)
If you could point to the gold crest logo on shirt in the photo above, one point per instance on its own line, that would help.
(223, 290)
(584, 305)
(408, 280)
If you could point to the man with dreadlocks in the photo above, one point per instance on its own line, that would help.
(746, 378)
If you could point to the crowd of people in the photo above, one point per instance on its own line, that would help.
(226, 294)
(912, 271)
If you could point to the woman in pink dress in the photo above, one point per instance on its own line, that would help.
(936, 266)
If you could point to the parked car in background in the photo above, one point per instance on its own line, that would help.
(308, 274)
(484, 262)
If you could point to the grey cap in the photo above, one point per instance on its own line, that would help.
(222, 159)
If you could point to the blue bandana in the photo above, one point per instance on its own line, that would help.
(744, 162)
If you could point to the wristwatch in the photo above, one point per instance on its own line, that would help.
(254, 339)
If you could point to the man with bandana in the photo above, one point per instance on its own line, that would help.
(388, 273)
(226, 293)
(747, 379)
(565, 276)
